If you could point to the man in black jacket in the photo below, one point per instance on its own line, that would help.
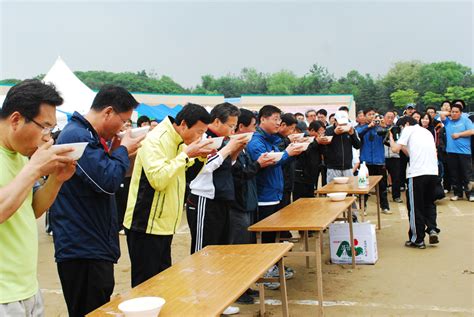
(287, 127)
(339, 153)
(243, 210)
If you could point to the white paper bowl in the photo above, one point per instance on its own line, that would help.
(310, 139)
(303, 146)
(142, 306)
(248, 135)
(296, 135)
(337, 196)
(216, 142)
(275, 155)
(329, 138)
(135, 133)
(341, 180)
(78, 149)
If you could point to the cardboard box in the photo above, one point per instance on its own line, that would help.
(365, 243)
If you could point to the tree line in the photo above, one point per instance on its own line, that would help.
(406, 82)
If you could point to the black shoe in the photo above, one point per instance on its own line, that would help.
(354, 219)
(434, 237)
(252, 292)
(420, 245)
(245, 299)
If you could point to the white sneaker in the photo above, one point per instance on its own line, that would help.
(471, 199)
(122, 232)
(231, 310)
(387, 211)
(455, 198)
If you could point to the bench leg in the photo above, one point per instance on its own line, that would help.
(377, 193)
(319, 273)
(261, 296)
(351, 235)
(306, 246)
(259, 237)
(284, 299)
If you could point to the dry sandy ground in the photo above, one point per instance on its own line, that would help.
(437, 281)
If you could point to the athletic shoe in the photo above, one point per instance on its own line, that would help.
(231, 310)
(398, 200)
(122, 232)
(245, 299)
(471, 199)
(402, 188)
(271, 285)
(273, 272)
(289, 269)
(455, 198)
(253, 292)
(434, 237)
(415, 245)
(446, 191)
(387, 211)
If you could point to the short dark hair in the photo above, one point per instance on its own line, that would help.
(443, 102)
(344, 108)
(299, 114)
(367, 110)
(430, 107)
(142, 119)
(323, 112)
(316, 125)
(308, 111)
(392, 111)
(406, 119)
(192, 113)
(223, 111)
(416, 112)
(27, 97)
(331, 115)
(267, 111)
(288, 119)
(456, 105)
(115, 96)
(245, 117)
(460, 101)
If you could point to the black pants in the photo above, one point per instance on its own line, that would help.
(121, 196)
(393, 169)
(403, 169)
(264, 212)
(238, 229)
(303, 190)
(149, 254)
(86, 284)
(460, 169)
(380, 170)
(443, 157)
(421, 207)
(208, 221)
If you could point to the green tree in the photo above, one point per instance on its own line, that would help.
(401, 98)
(403, 76)
(431, 98)
(437, 77)
(283, 82)
(456, 92)
(253, 82)
(317, 81)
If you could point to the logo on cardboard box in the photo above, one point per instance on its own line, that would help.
(344, 246)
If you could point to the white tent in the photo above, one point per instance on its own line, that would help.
(77, 96)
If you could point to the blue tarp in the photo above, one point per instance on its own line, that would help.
(158, 112)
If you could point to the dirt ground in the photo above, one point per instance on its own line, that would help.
(437, 281)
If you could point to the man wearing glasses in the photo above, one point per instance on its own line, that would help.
(84, 216)
(27, 117)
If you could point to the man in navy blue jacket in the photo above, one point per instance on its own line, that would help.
(84, 216)
(372, 152)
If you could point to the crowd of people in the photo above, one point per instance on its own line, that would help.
(141, 184)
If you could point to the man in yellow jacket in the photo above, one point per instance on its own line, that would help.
(156, 196)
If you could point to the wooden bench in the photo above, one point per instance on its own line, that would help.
(207, 282)
(309, 214)
(352, 188)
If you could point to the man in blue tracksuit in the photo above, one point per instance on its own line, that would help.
(270, 179)
(84, 215)
(372, 152)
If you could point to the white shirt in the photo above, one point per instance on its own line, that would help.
(421, 149)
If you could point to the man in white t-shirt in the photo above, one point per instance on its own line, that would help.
(418, 144)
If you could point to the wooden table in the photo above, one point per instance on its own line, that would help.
(352, 188)
(309, 214)
(207, 282)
